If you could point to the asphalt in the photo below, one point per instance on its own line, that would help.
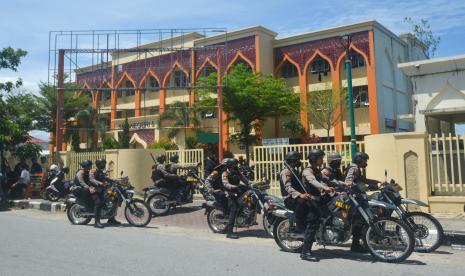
(40, 243)
(453, 223)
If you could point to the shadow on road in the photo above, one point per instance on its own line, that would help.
(349, 255)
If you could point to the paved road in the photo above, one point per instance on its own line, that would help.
(40, 243)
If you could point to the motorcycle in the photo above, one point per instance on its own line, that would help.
(118, 191)
(387, 239)
(161, 199)
(58, 187)
(253, 200)
(427, 230)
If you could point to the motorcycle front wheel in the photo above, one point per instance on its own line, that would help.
(427, 231)
(389, 240)
(137, 213)
(282, 238)
(74, 215)
(268, 224)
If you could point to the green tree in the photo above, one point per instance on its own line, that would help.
(323, 108)
(14, 125)
(294, 126)
(179, 116)
(249, 98)
(124, 142)
(422, 36)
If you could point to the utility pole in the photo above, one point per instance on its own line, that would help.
(348, 63)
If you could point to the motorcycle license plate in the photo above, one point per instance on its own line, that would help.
(342, 205)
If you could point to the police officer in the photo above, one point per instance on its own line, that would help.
(99, 177)
(159, 173)
(180, 187)
(215, 187)
(311, 203)
(333, 169)
(291, 189)
(231, 178)
(354, 176)
(85, 188)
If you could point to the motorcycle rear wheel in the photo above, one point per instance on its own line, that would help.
(158, 204)
(137, 213)
(394, 245)
(280, 234)
(73, 214)
(213, 219)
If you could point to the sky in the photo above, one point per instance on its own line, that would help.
(26, 24)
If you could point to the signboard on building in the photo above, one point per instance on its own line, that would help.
(275, 141)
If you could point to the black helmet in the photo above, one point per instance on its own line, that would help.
(86, 164)
(100, 163)
(174, 158)
(314, 154)
(65, 170)
(230, 162)
(360, 156)
(334, 157)
(161, 158)
(293, 156)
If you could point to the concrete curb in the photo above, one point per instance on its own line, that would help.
(38, 205)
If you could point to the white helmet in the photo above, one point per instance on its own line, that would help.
(54, 168)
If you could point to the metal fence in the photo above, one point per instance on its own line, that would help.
(74, 160)
(189, 157)
(269, 160)
(447, 160)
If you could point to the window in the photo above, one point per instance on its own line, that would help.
(129, 88)
(360, 95)
(207, 70)
(319, 65)
(357, 60)
(120, 93)
(289, 70)
(180, 79)
(106, 94)
(151, 85)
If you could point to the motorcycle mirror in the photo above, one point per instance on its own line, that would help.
(121, 173)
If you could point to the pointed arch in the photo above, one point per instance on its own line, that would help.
(207, 61)
(175, 66)
(355, 49)
(124, 76)
(283, 61)
(148, 74)
(314, 56)
(238, 56)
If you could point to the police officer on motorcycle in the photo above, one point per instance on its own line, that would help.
(180, 188)
(354, 176)
(311, 204)
(332, 171)
(231, 178)
(85, 188)
(291, 189)
(160, 175)
(215, 187)
(99, 176)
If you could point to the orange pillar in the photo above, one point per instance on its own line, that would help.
(114, 99)
(192, 92)
(303, 102)
(338, 125)
(162, 97)
(373, 108)
(137, 100)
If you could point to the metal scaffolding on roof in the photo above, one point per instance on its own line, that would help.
(117, 61)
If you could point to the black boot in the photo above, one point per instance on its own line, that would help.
(98, 224)
(307, 255)
(232, 235)
(113, 221)
(357, 247)
(97, 209)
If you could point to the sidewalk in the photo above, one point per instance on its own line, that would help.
(38, 204)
